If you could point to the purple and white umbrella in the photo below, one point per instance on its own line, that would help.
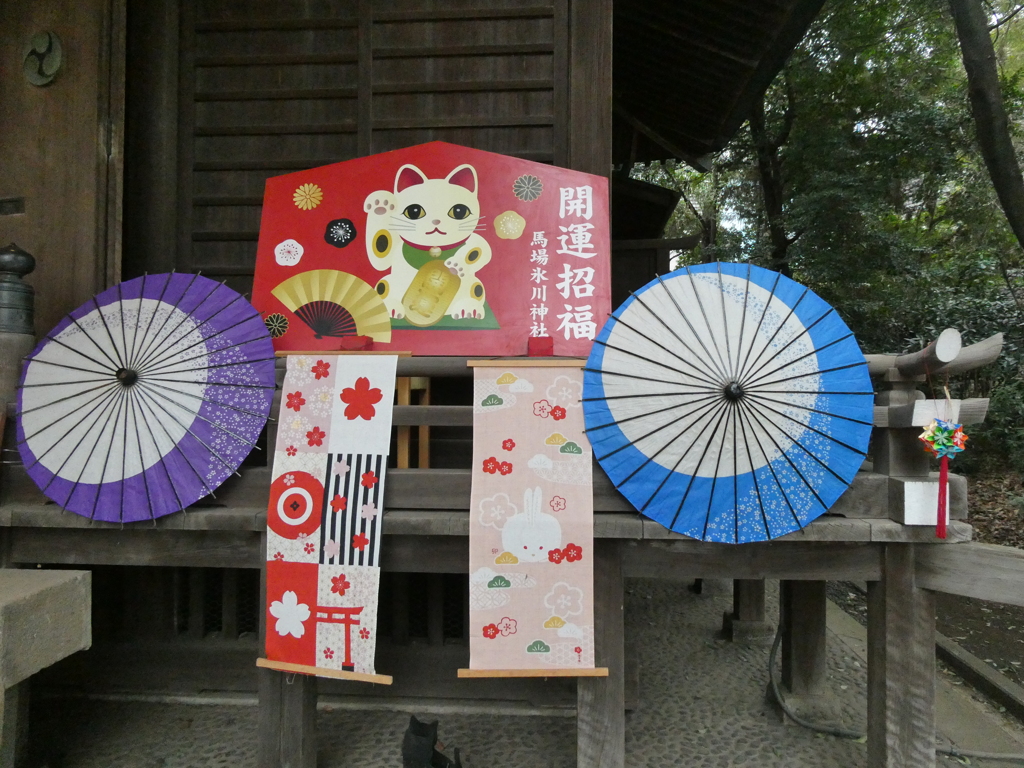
(146, 398)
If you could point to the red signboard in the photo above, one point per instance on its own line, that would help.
(436, 249)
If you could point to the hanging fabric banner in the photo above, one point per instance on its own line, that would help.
(531, 532)
(324, 516)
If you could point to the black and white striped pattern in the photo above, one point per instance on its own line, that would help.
(344, 525)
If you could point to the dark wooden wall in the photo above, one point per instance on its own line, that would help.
(60, 149)
(223, 94)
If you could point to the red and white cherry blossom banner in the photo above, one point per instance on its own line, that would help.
(324, 515)
(531, 534)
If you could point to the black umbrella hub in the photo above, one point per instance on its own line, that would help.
(127, 376)
(733, 392)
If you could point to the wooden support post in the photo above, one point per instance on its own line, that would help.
(901, 666)
(746, 622)
(600, 702)
(196, 587)
(423, 385)
(287, 720)
(229, 604)
(399, 608)
(287, 705)
(435, 608)
(14, 724)
(403, 389)
(803, 637)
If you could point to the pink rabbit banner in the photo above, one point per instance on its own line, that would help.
(531, 534)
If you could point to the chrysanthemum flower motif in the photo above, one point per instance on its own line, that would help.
(527, 188)
(308, 196)
(290, 614)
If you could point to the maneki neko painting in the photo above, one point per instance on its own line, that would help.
(413, 248)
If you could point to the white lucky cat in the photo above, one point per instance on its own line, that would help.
(428, 221)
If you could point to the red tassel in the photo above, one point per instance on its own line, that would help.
(940, 523)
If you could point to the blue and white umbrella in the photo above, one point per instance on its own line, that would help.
(728, 403)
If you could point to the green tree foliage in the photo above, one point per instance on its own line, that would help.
(860, 176)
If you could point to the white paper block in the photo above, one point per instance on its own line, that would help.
(915, 502)
(926, 410)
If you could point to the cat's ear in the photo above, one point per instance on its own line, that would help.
(464, 176)
(407, 176)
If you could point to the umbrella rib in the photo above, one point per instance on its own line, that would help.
(196, 437)
(142, 462)
(208, 353)
(651, 413)
(124, 461)
(69, 416)
(743, 318)
(635, 376)
(159, 344)
(91, 339)
(194, 329)
(151, 340)
(816, 373)
(156, 383)
(163, 463)
(67, 367)
(97, 412)
(825, 466)
(711, 358)
(782, 325)
(130, 356)
(721, 406)
(202, 340)
(811, 392)
(103, 366)
(725, 323)
(760, 322)
(64, 383)
(218, 383)
(177, 447)
(794, 466)
(649, 360)
(704, 409)
(651, 394)
(51, 403)
(753, 472)
(707, 353)
(795, 360)
(760, 396)
(778, 483)
(761, 407)
(124, 333)
(221, 365)
(714, 482)
(788, 344)
(106, 461)
(674, 354)
(654, 431)
(735, 481)
(99, 311)
(100, 414)
(149, 325)
(689, 484)
(200, 416)
(707, 323)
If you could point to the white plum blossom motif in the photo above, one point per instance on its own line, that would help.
(565, 392)
(506, 626)
(341, 468)
(564, 600)
(368, 511)
(289, 480)
(496, 510)
(290, 614)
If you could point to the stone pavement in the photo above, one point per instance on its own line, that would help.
(701, 704)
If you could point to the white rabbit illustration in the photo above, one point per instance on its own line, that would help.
(531, 534)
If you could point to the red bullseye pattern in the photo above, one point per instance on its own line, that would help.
(296, 501)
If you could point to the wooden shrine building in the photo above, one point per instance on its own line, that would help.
(148, 152)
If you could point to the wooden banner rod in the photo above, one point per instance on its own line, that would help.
(573, 672)
(303, 669)
(529, 362)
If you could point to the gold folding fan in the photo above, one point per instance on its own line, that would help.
(334, 303)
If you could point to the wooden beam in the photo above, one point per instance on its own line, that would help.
(692, 559)
(982, 571)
